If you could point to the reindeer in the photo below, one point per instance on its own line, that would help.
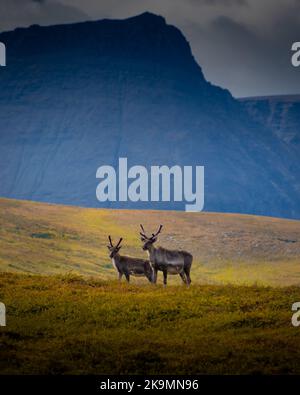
(167, 261)
(127, 265)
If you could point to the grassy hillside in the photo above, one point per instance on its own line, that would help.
(66, 313)
(76, 325)
(227, 248)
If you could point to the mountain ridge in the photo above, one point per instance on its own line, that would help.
(70, 102)
(281, 114)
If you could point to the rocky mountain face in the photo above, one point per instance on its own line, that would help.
(75, 97)
(281, 114)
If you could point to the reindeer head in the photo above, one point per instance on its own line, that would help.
(114, 249)
(148, 241)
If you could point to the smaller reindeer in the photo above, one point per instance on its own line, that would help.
(127, 265)
(167, 261)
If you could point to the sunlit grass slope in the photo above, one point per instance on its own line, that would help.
(47, 239)
(66, 313)
(77, 325)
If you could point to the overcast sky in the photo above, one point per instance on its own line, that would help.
(242, 45)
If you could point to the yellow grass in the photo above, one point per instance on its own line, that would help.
(227, 248)
(41, 238)
(66, 313)
(78, 325)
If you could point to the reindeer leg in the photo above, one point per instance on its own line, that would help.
(165, 277)
(182, 275)
(154, 276)
(188, 277)
(187, 269)
(120, 276)
(149, 277)
(127, 277)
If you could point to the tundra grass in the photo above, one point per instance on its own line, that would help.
(41, 238)
(70, 324)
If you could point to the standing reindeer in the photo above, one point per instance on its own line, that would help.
(127, 265)
(167, 261)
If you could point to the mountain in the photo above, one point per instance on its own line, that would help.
(279, 113)
(75, 97)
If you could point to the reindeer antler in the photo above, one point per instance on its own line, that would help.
(111, 244)
(153, 234)
(144, 233)
(158, 232)
(119, 242)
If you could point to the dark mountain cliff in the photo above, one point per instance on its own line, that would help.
(281, 114)
(74, 97)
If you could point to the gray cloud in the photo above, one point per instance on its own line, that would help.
(217, 3)
(253, 54)
(22, 13)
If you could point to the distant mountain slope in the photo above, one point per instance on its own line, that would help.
(39, 238)
(280, 113)
(74, 97)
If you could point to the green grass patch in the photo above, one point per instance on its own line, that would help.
(69, 324)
